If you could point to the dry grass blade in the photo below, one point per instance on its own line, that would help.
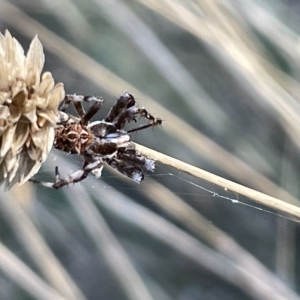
(237, 53)
(163, 59)
(37, 248)
(108, 246)
(59, 232)
(270, 26)
(190, 247)
(212, 235)
(83, 30)
(20, 273)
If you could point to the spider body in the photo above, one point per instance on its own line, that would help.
(101, 142)
(73, 138)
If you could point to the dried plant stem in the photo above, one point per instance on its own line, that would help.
(259, 197)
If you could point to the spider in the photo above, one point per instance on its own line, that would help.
(101, 142)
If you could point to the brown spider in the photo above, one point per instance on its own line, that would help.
(103, 141)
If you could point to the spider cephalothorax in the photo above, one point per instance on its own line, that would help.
(103, 141)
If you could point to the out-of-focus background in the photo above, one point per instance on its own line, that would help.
(224, 77)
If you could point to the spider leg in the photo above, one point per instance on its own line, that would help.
(131, 163)
(158, 122)
(133, 172)
(90, 113)
(135, 158)
(129, 115)
(125, 101)
(63, 118)
(73, 178)
(77, 102)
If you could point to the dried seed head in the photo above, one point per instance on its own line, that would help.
(28, 107)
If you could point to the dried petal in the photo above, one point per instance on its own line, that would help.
(6, 139)
(34, 63)
(20, 137)
(45, 87)
(56, 96)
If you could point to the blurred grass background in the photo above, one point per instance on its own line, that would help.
(224, 77)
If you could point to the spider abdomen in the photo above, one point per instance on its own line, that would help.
(72, 138)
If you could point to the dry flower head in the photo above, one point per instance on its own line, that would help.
(28, 109)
